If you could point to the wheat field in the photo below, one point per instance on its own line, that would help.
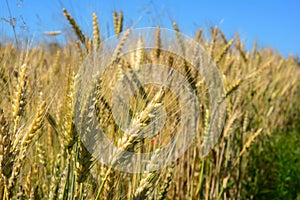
(42, 155)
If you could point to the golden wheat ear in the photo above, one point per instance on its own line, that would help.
(163, 190)
(118, 22)
(96, 32)
(56, 177)
(139, 55)
(149, 180)
(5, 144)
(83, 163)
(76, 28)
(157, 45)
(19, 99)
(69, 133)
(24, 143)
(223, 51)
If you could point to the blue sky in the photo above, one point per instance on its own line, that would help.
(274, 24)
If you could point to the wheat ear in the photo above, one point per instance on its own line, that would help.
(96, 32)
(139, 54)
(127, 142)
(163, 190)
(118, 22)
(239, 48)
(56, 62)
(19, 100)
(79, 50)
(120, 46)
(69, 132)
(5, 143)
(75, 27)
(222, 36)
(157, 44)
(55, 179)
(27, 139)
(198, 37)
(147, 183)
(83, 163)
(213, 41)
(223, 51)
(179, 38)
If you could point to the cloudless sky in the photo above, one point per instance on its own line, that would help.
(274, 23)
